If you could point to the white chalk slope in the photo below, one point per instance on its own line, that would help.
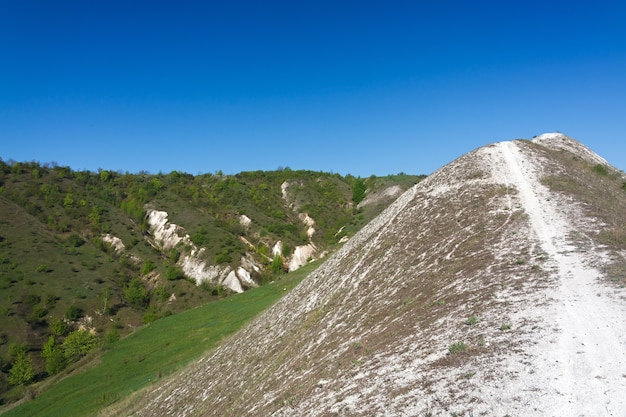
(370, 332)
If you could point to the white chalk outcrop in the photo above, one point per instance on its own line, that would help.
(301, 256)
(168, 235)
(386, 194)
(116, 243)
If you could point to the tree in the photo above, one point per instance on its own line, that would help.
(358, 191)
(136, 294)
(105, 296)
(22, 372)
(277, 264)
(77, 344)
(54, 356)
(58, 326)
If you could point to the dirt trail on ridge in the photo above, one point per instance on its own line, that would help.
(579, 366)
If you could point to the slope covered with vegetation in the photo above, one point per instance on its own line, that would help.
(80, 265)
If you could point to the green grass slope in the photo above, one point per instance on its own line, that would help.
(126, 366)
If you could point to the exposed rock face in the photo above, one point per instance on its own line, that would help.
(301, 256)
(477, 292)
(115, 242)
(386, 194)
(168, 235)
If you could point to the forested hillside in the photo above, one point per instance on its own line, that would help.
(83, 262)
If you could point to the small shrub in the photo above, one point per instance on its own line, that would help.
(457, 347)
(471, 321)
(505, 326)
(223, 258)
(148, 266)
(173, 273)
(277, 265)
(58, 327)
(74, 312)
(150, 316)
(75, 241)
(112, 335)
(31, 299)
(601, 170)
(136, 294)
(38, 315)
(174, 255)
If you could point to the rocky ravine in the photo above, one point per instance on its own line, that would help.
(478, 292)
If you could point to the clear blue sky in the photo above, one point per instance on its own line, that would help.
(359, 87)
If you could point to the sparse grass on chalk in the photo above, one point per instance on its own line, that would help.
(457, 347)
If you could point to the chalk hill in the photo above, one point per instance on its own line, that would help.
(493, 287)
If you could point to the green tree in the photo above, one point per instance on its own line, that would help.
(22, 371)
(68, 201)
(277, 264)
(105, 176)
(136, 294)
(78, 343)
(58, 326)
(358, 191)
(134, 209)
(54, 356)
(94, 215)
(105, 297)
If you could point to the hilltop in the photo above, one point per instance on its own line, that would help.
(97, 255)
(493, 287)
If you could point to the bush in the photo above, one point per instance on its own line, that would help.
(600, 169)
(77, 344)
(277, 265)
(74, 312)
(174, 255)
(22, 371)
(112, 335)
(54, 357)
(223, 257)
(148, 266)
(136, 294)
(58, 326)
(173, 273)
(38, 315)
(75, 241)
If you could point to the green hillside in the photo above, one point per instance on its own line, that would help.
(64, 281)
(122, 368)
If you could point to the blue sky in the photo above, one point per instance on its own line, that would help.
(359, 87)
